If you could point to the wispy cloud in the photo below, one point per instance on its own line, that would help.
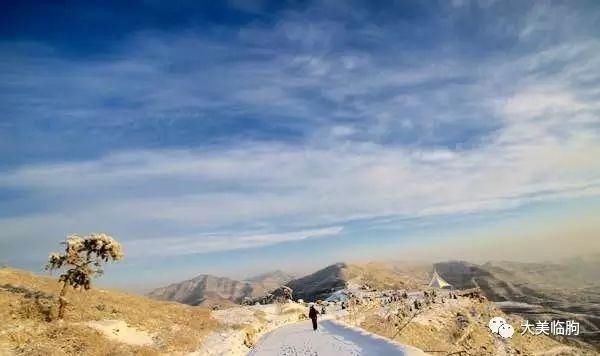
(290, 129)
(170, 246)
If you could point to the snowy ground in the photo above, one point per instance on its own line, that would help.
(229, 340)
(333, 338)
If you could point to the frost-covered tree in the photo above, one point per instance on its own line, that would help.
(81, 261)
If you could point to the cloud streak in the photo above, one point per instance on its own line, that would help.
(221, 242)
(292, 129)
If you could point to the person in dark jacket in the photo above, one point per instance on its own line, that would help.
(312, 314)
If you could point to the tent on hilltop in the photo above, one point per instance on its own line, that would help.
(438, 282)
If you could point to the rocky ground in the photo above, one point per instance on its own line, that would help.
(456, 325)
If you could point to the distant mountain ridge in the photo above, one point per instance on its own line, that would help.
(567, 289)
(204, 289)
(207, 289)
(271, 280)
(320, 284)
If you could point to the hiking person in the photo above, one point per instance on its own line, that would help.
(312, 314)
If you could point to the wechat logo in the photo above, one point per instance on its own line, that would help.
(498, 325)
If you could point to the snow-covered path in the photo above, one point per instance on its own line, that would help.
(332, 338)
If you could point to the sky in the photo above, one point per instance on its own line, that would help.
(234, 137)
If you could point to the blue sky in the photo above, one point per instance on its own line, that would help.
(262, 132)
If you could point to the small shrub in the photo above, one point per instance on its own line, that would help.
(82, 260)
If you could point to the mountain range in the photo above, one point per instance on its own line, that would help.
(207, 289)
(565, 290)
(320, 284)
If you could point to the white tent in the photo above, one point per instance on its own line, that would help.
(438, 282)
